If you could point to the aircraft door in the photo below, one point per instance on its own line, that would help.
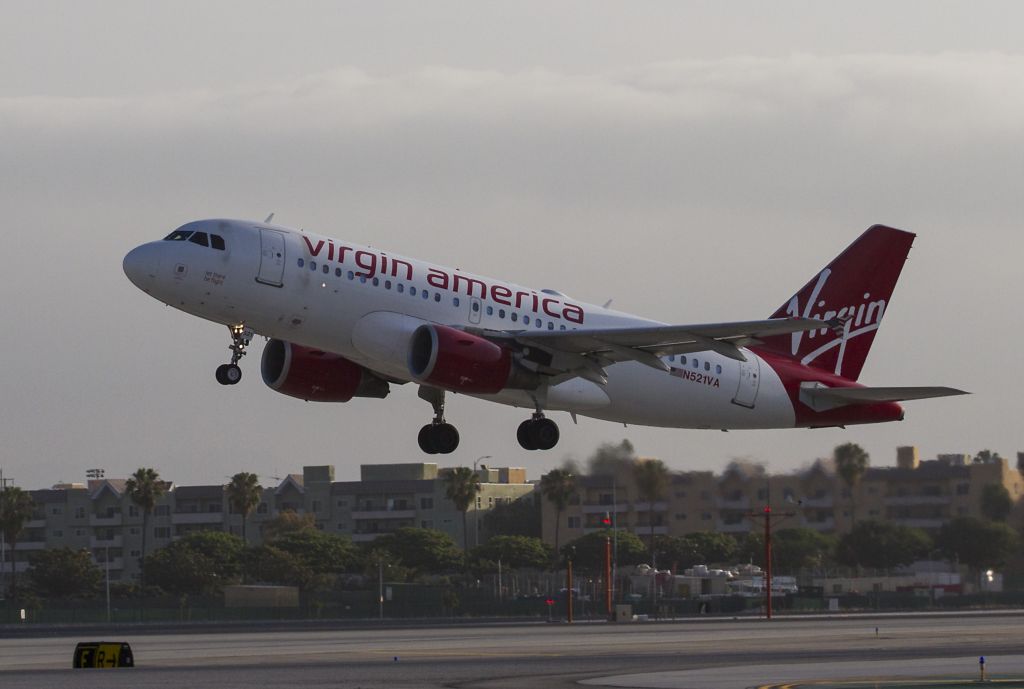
(271, 258)
(476, 308)
(750, 380)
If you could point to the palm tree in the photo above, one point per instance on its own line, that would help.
(461, 486)
(15, 509)
(652, 481)
(851, 463)
(244, 493)
(144, 488)
(558, 486)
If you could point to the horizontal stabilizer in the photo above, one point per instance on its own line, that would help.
(822, 398)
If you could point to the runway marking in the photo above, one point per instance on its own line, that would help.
(881, 683)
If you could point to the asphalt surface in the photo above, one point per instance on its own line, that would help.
(696, 654)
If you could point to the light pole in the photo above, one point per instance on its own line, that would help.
(476, 507)
(380, 589)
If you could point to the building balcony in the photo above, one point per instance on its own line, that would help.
(115, 542)
(737, 504)
(921, 522)
(104, 520)
(648, 507)
(35, 523)
(385, 514)
(30, 545)
(742, 526)
(116, 563)
(822, 525)
(918, 500)
(365, 537)
(197, 518)
(644, 530)
(819, 502)
(600, 509)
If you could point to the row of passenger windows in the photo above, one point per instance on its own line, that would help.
(214, 241)
(400, 287)
(696, 364)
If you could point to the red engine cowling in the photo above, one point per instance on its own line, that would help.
(315, 375)
(459, 361)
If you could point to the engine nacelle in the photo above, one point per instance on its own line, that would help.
(459, 361)
(316, 376)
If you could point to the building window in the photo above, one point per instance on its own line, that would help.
(343, 503)
(79, 513)
(133, 510)
(963, 488)
(574, 522)
(58, 534)
(162, 532)
(317, 505)
(134, 531)
(262, 509)
(161, 510)
(56, 510)
(705, 516)
(426, 503)
(426, 524)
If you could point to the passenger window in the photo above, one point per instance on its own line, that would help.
(387, 284)
(412, 291)
(455, 301)
(551, 325)
(376, 281)
(302, 262)
(217, 242)
(514, 316)
(561, 327)
(312, 265)
(718, 368)
(199, 238)
(682, 360)
(476, 306)
(327, 269)
(400, 287)
(526, 320)
(707, 365)
(490, 310)
(695, 364)
(536, 321)
(501, 313)
(337, 272)
(351, 275)
(362, 280)
(437, 296)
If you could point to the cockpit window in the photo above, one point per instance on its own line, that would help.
(177, 236)
(217, 242)
(199, 238)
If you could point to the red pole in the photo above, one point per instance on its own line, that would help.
(608, 574)
(568, 592)
(768, 560)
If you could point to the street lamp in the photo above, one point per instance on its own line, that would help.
(476, 506)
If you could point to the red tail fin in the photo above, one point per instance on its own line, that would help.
(854, 288)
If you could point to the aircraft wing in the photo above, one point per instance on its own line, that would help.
(586, 352)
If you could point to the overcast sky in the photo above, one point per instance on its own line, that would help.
(694, 161)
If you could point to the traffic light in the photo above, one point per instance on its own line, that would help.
(607, 519)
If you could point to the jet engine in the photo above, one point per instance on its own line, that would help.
(315, 375)
(462, 362)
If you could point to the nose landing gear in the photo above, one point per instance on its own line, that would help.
(438, 436)
(538, 433)
(230, 374)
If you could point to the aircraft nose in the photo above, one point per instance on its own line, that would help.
(141, 265)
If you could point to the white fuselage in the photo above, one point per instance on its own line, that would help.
(364, 304)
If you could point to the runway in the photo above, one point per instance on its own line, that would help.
(695, 654)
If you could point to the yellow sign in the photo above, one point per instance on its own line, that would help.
(103, 654)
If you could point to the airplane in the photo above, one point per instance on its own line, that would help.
(345, 320)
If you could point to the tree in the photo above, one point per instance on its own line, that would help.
(270, 565)
(144, 488)
(244, 493)
(558, 486)
(986, 457)
(882, 545)
(287, 522)
(652, 481)
(423, 551)
(323, 553)
(851, 463)
(792, 549)
(461, 485)
(201, 562)
(711, 547)
(588, 551)
(64, 573)
(517, 518)
(996, 502)
(15, 509)
(514, 552)
(978, 544)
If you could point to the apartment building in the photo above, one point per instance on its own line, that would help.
(100, 517)
(924, 494)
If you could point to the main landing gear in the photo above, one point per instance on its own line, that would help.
(230, 374)
(538, 433)
(438, 437)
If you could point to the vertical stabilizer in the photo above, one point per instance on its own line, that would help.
(855, 288)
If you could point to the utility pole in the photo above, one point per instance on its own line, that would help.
(568, 589)
(608, 575)
(766, 515)
(3, 540)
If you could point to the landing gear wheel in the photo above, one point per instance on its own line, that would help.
(445, 438)
(426, 439)
(228, 374)
(538, 433)
(524, 437)
(544, 433)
